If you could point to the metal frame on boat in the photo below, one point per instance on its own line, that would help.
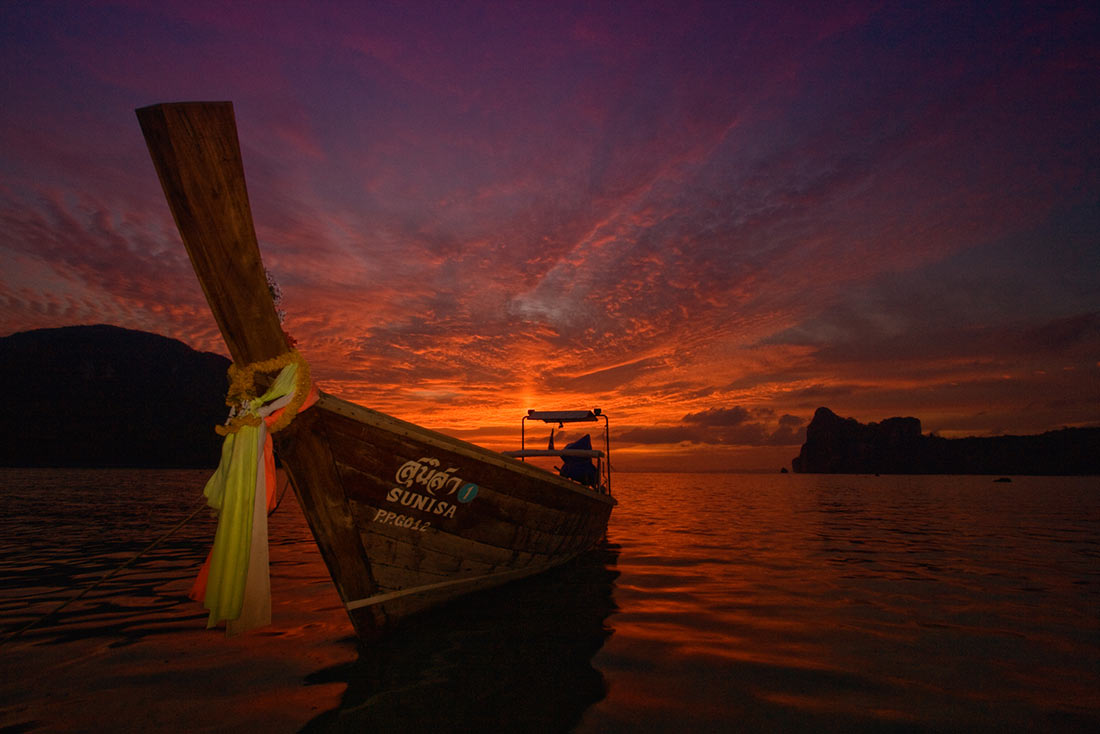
(601, 481)
(404, 517)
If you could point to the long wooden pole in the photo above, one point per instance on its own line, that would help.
(197, 156)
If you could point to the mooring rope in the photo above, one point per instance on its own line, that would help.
(37, 621)
(282, 494)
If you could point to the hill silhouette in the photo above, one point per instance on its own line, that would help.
(836, 445)
(103, 396)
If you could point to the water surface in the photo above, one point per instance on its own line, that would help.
(854, 602)
(720, 602)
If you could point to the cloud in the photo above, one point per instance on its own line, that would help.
(733, 426)
(724, 417)
(710, 219)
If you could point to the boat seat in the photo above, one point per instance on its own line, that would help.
(585, 453)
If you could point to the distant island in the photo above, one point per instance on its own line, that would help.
(836, 445)
(103, 396)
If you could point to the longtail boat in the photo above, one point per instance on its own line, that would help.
(405, 518)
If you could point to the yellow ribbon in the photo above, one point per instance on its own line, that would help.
(231, 491)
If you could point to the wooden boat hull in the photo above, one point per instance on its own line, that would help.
(405, 518)
(409, 542)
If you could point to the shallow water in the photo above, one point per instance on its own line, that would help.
(721, 602)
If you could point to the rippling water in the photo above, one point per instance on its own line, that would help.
(721, 602)
(850, 602)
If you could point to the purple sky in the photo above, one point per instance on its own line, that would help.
(706, 218)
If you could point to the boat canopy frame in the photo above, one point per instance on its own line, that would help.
(561, 417)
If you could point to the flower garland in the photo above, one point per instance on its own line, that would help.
(242, 388)
(277, 299)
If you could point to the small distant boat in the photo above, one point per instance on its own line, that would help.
(405, 518)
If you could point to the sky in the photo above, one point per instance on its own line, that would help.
(706, 218)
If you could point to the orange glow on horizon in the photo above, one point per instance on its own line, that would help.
(708, 236)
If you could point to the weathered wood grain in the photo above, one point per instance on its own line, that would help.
(197, 156)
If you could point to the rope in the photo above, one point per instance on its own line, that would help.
(279, 501)
(109, 574)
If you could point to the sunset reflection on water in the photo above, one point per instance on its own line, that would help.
(841, 602)
(720, 602)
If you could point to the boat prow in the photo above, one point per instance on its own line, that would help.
(405, 518)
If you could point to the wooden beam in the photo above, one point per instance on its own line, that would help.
(197, 156)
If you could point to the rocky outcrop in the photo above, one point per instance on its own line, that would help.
(836, 445)
(102, 396)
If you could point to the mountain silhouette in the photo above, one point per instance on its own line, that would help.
(103, 396)
(836, 445)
